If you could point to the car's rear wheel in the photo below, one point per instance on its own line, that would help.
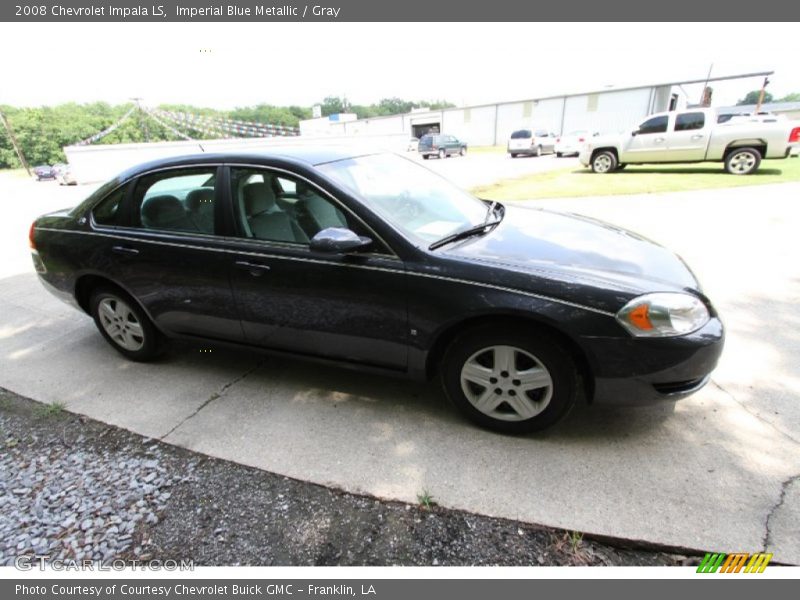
(538, 151)
(442, 153)
(513, 381)
(125, 325)
(426, 156)
(742, 161)
(604, 162)
(513, 155)
(559, 154)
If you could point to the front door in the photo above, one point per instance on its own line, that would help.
(648, 143)
(349, 307)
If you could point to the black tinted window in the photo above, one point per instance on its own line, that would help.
(521, 134)
(107, 212)
(654, 125)
(689, 121)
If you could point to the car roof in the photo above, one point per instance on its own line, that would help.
(305, 155)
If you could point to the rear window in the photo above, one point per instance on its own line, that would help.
(521, 134)
(107, 211)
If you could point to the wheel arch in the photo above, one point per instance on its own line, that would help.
(446, 336)
(611, 149)
(755, 144)
(90, 281)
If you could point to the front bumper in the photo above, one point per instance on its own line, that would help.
(638, 371)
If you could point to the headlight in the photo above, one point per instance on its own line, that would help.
(663, 314)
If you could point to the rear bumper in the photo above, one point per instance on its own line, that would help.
(526, 150)
(646, 371)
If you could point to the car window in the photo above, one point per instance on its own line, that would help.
(177, 200)
(283, 209)
(690, 121)
(541, 133)
(521, 134)
(414, 200)
(654, 125)
(107, 210)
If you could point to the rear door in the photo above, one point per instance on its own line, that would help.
(350, 307)
(688, 138)
(163, 248)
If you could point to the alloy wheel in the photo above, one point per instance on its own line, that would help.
(121, 324)
(506, 383)
(742, 162)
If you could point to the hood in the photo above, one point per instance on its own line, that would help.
(546, 242)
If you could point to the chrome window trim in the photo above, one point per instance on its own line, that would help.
(288, 245)
(336, 264)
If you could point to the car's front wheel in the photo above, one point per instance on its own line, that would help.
(463, 151)
(604, 162)
(442, 153)
(512, 381)
(125, 325)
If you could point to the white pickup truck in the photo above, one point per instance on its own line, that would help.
(692, 135)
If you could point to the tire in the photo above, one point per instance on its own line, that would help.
(442, 153)
(742, 161)
(513, 155)
(604, 162)
(559, 154)
(472, 358)
(138, 340)
(538, 151)
(463, 151)
(426, 156)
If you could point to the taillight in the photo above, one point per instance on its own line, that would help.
(558, 140)
(794, 137)
(581, 140)
(31, 243)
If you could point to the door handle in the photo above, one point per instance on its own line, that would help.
(658, 140)
(698, 136)
(125, 250)
(255, 269)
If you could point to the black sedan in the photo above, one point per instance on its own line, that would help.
(372, 261)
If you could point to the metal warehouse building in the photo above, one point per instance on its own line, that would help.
(607, 110)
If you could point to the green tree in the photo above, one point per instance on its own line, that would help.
(793, 97)
(752, 98)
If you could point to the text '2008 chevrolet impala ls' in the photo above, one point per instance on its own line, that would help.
(373, 261)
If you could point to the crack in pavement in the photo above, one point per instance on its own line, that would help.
(754, 414)
(215, 396)
(766, 540)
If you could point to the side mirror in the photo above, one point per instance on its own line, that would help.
(338, 239)
(634, 132)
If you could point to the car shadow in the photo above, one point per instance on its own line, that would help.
(716, 170)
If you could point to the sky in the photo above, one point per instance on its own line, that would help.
(223, 65)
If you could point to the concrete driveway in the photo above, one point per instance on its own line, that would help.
(719, 471)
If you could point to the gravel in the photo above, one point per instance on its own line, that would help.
(73, 488)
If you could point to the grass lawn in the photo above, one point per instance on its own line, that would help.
(645, 179)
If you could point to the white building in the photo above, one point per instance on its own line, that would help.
(606, 110)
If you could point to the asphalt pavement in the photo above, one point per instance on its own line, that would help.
(718, 471)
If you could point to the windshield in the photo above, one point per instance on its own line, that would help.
(416, 201)
(521, 134)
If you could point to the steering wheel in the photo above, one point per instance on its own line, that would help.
(407, 208)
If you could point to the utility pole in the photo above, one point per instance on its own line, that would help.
(14, 143)
(142, 119)
(761, 95)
